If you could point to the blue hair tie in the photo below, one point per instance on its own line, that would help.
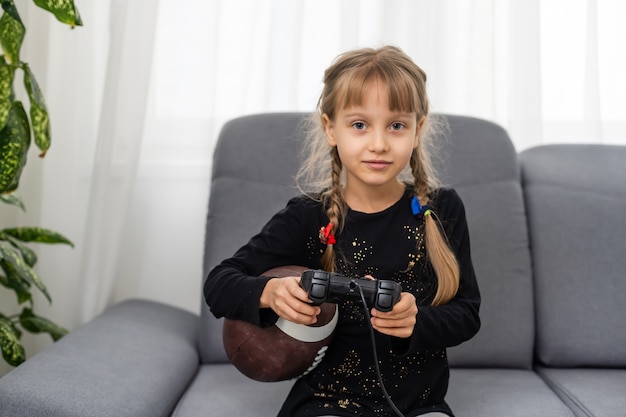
(418, 209)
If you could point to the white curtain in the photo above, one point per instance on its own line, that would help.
(117, 156)
(138, 95)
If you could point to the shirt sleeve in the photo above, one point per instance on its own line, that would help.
(234, 287)
(451, 324)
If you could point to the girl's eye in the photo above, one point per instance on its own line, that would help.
(358, 125)
(396, 126)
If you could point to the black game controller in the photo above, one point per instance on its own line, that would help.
(322, 286)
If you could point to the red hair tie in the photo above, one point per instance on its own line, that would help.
(326, 237)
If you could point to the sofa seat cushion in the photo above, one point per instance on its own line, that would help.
(502, 392)
(472, 393)
(221, 390)
(589, 392)
(134, 360)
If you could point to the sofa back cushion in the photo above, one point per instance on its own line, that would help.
(576, 203)
(256, 159)
(480, 162)
(254, 165)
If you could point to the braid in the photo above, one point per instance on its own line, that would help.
(335, 207)
(437, 248)
(420, 176)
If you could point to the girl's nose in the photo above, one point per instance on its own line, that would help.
(379, 141)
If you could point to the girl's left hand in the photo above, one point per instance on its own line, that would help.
(400, 321)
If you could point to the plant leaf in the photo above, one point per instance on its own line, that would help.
(29, 255)
(37, 324)
(12, 33)
(14, 144)
(64, 10)
(17, 331)
(21, 288)
(38, 112)
(6, 88)
(13, 263)
(9, 7)
(13, 199)
(37, 234)
(12, 350)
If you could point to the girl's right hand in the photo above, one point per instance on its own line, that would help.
(289, 300)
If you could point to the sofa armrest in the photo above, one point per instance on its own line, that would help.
(136, 359)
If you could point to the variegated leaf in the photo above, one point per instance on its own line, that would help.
(64, 10)
(6, 86)
(13, 199)
(12, 33)
(14, 144)
(37, 324)
(28, 254)
(12, 350)
(38, 112)
(13, 260)
(37, 234)
(21, 288)
(17, 331)
(9, 7)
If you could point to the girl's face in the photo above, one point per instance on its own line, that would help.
(374, 143)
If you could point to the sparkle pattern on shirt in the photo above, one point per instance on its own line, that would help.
(313, 249)
(351, 372)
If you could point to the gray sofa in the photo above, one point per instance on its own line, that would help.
(548, 230)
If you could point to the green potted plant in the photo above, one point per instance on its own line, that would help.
(17, 258)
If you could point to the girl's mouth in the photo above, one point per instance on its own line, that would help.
(376, 164)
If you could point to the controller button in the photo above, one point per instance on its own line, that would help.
(386, 284)
(384, 301)
(320, 275)
(318, 291)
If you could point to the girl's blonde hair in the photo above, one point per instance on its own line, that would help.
(344, 82)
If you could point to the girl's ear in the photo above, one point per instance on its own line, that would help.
(329, 128)
(418, 131)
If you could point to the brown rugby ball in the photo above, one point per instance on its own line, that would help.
(283, 351)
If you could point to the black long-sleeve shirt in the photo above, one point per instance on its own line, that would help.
(386, 245)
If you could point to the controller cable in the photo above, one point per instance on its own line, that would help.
(373, 339)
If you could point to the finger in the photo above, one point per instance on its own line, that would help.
(306, 309)
(398, 312)
(294, 309)
(385, 323)
(298, 312)
(291, 302)
(402, 333)
(299, 318)
(297, 291)
(399, 328)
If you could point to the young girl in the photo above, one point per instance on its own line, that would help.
(358, 217)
